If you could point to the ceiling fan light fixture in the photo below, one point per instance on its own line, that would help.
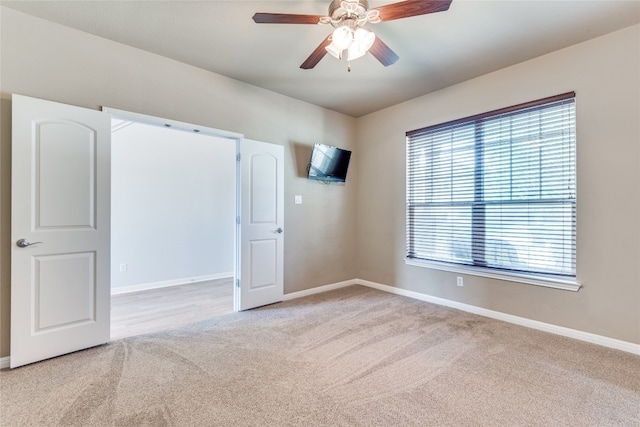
(355, 53)
(342, 37)
(362, 41)
(334, 51)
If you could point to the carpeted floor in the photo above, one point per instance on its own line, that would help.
(351, 357)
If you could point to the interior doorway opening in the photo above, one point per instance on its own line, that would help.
(173, 209)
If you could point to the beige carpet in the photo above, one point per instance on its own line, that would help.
(351, 357)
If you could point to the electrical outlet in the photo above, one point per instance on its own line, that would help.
(298, 199)
(459, 281)
(123, 268)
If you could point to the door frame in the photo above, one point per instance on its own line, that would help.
(201, 130)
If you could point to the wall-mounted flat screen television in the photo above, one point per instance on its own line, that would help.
(329, 163)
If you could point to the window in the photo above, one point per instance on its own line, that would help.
(497, 190)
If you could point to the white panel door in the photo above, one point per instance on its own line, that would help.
(261, 225)
(60, 226)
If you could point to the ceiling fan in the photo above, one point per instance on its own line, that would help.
(350, 39)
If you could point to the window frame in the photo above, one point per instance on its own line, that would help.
(565, 282)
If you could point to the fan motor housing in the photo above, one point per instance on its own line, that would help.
(336, 11)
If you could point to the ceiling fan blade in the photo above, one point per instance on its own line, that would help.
(409, 8)
(285, 18)
(316, 55)
(383, 53)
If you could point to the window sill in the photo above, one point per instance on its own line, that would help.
(529, 279)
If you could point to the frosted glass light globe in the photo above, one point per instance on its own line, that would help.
(334, 51)
(342, 37)
(363, 40)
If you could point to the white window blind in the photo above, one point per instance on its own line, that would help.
(496, 190)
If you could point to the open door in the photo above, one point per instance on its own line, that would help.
(260, 229)
(60, 284)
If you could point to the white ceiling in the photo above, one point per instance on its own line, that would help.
(472, 38)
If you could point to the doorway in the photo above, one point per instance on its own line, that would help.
(172, 227)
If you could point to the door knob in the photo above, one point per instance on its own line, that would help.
(278, 230)
(24, 243)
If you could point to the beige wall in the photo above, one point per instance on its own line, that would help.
(604, 73)
(49, 61)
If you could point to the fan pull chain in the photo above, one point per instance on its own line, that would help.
(349, 66)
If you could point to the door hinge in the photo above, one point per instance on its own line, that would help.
(237, 283)
(238, 157)
(237, 220)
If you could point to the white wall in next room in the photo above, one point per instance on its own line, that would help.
(173, 206)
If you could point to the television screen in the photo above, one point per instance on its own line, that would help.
(329, 163)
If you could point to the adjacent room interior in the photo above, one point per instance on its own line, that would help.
(173, 201)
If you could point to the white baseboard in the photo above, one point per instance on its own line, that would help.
(522, 321)
(166, 283)
(319, 289)
(4, 362)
